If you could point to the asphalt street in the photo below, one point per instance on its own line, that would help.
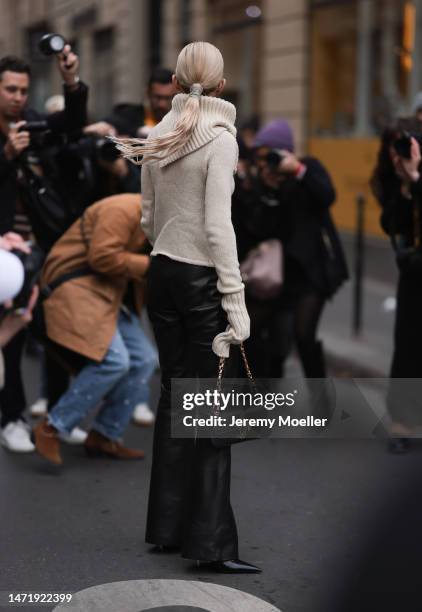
(335, 524)
(308, 512)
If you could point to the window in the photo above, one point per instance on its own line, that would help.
(237, 33)
(364, 65)
(103, 76)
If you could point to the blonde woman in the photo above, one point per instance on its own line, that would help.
(196, 300)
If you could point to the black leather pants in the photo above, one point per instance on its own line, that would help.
(189, 500)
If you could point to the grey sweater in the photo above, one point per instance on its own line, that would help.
(186, 204)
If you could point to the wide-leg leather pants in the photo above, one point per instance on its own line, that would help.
(189, 499)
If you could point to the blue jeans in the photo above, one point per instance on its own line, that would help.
(121, 380)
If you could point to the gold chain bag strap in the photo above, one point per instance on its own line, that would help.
(246, 429)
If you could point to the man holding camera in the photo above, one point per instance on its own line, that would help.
(94, 168)
(15, 142)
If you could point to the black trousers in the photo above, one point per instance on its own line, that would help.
(278, 324)
(12, 396)
(189, 500)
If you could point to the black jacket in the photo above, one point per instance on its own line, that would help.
(298, 214)
(398, 213)
(127, 118)
(71, 118)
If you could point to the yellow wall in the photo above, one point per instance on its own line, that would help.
(350, 163)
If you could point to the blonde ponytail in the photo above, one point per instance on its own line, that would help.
(199, 69)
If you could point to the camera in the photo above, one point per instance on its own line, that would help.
(102, 149)
(32, 263)
(51, 44)
(273, 158)
(106, 150)
(403, 143)
(34, 126)
(11, 279)
(40, 136)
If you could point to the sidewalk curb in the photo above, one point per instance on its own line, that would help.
(344, 367)
(354, 357)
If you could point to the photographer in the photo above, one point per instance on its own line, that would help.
(93, 168)
(139, 119)
(13, 434)
(94, 277)
(15, 140)
(397, 185)
(288, 199)
(16, 158)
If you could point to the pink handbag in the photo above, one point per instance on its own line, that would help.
(262, 270)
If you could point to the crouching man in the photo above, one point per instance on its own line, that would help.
(93, 287)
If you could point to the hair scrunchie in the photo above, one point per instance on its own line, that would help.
(196, 89)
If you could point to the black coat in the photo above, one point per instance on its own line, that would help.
(401, 219)
(298, 214)
(398, 213)
(71, 118)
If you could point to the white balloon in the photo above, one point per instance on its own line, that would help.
(11, 276)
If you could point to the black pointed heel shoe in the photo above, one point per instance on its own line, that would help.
(234, 566)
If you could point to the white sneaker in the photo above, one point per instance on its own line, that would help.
(76, 437)
(16, 437)
(39, 408)
(143, 415)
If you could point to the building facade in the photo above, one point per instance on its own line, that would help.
(119, 41)
(338, 70)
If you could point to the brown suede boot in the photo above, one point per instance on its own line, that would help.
(47, 442)
(97, 445)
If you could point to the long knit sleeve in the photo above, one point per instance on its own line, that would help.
(222, 242)
(148, 204)
(218, 223)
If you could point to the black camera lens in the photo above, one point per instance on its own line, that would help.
(273, 158)
(51, 43)
(32, 264)
(107, 150)
(403, 145)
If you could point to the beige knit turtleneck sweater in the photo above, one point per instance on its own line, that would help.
(186, 204)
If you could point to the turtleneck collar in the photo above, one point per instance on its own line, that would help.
(216, 115)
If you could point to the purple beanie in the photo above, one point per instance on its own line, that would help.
(277, 135)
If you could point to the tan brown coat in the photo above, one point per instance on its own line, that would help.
(81, 314)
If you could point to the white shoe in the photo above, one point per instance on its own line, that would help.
(76, 436)
(16, 437)
(39, 408)
(143, 415)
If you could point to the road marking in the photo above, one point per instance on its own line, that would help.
(145, 595)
